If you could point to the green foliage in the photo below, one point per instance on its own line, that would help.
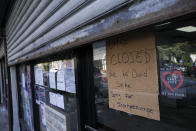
(46, 66)
(189, 64)
(180, 51)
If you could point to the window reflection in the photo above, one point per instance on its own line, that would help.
(177, 73)
(177, 99)
(25, 95)
(55, 88)
(107, 118)
(100, 74)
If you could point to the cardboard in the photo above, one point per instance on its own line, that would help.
(138, 103)
(132, 69)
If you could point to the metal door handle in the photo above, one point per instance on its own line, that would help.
(90, 128)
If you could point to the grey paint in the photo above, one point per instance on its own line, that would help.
(90, 12)
(36, 11)
(11, 20)
(22, 22)
(40, 19)
(86, 14)
(16, 126)
(17, 13)
(19, 19)
(20, 15)
(22, 28)
(41, 26)
(76, 30)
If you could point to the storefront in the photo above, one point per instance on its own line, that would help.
(129, 70)
(92, 87)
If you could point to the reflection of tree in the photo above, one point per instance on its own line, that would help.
(46, 66)
(70, 102)
(181, 51)
(165, 51)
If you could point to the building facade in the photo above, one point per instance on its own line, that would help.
(108, 65)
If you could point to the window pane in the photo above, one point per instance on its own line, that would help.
(55, 87)
(177, 91)
(25, 95)
(109, 118)
(178, 82)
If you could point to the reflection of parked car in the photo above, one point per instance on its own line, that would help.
(166, 65)
(174, 66)
(183, 69)
(189, 70)
(193, 68)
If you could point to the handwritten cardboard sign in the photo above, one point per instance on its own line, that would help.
(132, 75)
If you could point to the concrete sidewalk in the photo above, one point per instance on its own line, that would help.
(3, 119)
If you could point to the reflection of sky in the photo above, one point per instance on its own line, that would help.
(99, 50)
(193, 57)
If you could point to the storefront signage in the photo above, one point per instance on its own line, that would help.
(52, 79)
(55, 121)
(66, 77)
(132, 75)
(70, 76)
(57, 100)
(172, 81)
(61, 79)
(38, 75)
